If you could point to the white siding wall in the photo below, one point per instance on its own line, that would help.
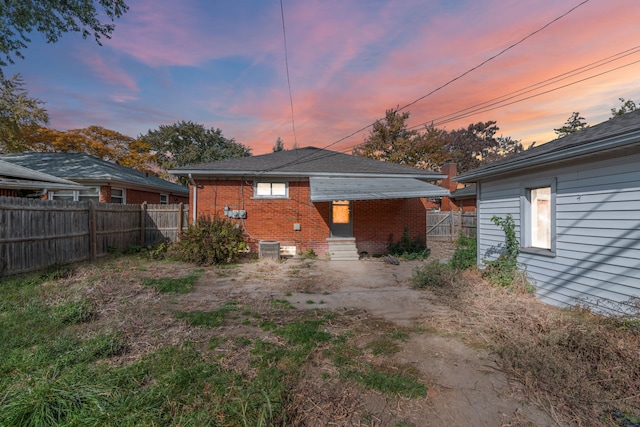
(597, 258)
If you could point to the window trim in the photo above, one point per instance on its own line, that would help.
(270, 196)
(525, 217)
(166, 197)
(123, 197)
(75, 194)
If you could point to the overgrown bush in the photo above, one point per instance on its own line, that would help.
(465, 255)
(432, 275)
(503, 270)
(408, 248)
(211, 240)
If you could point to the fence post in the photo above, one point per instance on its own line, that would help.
(93, 239)
(180, 207)
(143, 222)
(453, 224)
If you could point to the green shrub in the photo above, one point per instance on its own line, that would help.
(433, 275)
(211, 240)
(503, 270)
(465, 255)
(408, 248)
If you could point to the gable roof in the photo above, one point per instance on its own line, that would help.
(306, 162)
(83, 168)
(615, 134)
(21, 178)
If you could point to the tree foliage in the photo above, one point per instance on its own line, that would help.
(278, 146)
(391, 140)
(626, 107)
(185, 143)
(96, 141)
(573, 124)
(18, 113)
(52, 19)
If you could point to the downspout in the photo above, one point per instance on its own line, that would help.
(195, 197)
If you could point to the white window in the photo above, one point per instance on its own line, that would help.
(271, 189)
(541, 217)
(164, 199)
(538, 223)
(91, 193)
(118, 195)
(63, 195)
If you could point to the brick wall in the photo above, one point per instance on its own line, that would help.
(269, 219)
(376, 221)
(273, 219)
(137, 197)
(8, 193)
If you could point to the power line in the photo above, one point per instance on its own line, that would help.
(494, 56)
(461, 75)
(286, 61)
(501, 104)
(497, 101)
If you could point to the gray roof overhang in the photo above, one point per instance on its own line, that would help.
(587, 149)
(27, 184)
(326, 189)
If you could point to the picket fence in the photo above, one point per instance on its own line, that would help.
(447, 226)
(35, 234)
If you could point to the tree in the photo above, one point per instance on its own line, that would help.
(185, 143)
(391, 141)
(18, 113)
(626, 107)
(279, 145)
(96, 141)
(52, 19)
(573, 124)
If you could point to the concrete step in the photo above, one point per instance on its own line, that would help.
(343, 249)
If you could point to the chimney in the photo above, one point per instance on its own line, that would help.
(451, 170)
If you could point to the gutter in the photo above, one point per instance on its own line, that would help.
(242, 173)
(195, 197)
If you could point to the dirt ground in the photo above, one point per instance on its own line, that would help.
(465, 385)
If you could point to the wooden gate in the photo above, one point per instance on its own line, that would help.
(446, 226)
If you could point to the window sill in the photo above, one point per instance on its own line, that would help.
(538, 251)
(270, 198)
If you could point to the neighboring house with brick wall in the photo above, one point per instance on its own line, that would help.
(102, 181)
(311, 198)
(18, 181)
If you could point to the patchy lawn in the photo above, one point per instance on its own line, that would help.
(133, 342)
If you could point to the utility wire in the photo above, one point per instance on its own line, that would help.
(286, 61)
(501, 105)
(455, 78)
(485, 106)
(494, 56)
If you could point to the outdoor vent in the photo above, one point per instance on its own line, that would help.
(269, 249)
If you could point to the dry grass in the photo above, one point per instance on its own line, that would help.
(579, 366)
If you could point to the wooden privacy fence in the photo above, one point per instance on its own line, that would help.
(446, 226)
(35, 234)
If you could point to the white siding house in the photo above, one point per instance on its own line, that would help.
(576, 205)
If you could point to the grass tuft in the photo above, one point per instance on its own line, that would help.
(180, 285)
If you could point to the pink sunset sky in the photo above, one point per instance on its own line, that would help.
(222, 64)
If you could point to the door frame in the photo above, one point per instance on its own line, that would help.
(341, 229)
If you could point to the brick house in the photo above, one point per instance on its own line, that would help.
(103, 181)
(310, 198)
